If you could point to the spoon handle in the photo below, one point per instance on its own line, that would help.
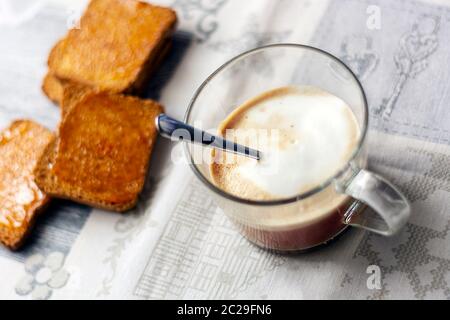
(180, 131)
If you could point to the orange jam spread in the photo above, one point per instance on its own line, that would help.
(104, 146)
(20, 148)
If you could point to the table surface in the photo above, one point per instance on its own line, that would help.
(176, 243)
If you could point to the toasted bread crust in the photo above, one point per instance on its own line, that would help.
(72, 93)
(115, 45)
(21, 201)
(53, 88)
(45, 178)
(149, 68)
(61, 91)
(101, 156)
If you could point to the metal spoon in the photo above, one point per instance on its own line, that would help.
(180, 131)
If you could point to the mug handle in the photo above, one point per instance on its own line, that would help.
(390, 206)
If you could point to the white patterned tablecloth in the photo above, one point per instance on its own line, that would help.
(176, 243)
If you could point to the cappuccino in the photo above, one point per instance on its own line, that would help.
(306, 135)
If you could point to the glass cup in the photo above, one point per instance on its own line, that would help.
(318, 215)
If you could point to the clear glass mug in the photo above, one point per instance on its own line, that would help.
(314, 217)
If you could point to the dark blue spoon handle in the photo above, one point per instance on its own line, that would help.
(180, 131)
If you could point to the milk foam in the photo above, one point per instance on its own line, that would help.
(312, 136)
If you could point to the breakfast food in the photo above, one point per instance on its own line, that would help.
(21, 200)
(63, 92)
(102, 151)
(53, 88)
(72, 93)
(105, 139)
(311, 136)
(118, 44)
(306, 136)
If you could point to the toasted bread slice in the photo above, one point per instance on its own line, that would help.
(117, 43)
(53, 88)
(72, 93)
(102, 153)
(21, 145)
(63, 92)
